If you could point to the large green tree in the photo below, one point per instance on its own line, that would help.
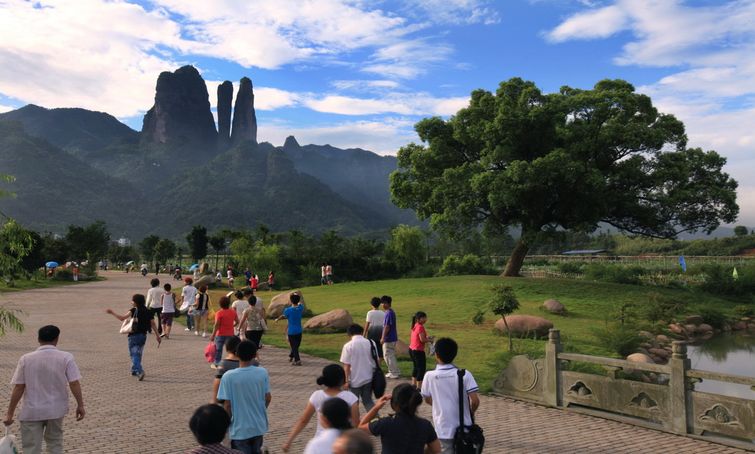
(147, 247)
(164, 250)
(218, 245)
(406, 247)
(568, 160)
(197, 240)
(91, 241)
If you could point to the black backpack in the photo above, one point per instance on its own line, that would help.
(378, 379)
(467, 439)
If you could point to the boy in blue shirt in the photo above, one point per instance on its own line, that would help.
(293, 314)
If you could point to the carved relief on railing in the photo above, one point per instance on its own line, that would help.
(717, 414)
(522, 378)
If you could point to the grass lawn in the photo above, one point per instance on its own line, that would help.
(450, 303)
(27, 284)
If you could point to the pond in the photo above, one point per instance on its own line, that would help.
(729, 354)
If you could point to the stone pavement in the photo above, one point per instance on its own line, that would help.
(127, 416)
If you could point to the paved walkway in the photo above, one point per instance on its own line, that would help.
(126, 416)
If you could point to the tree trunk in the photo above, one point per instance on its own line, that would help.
(517, 258)
(508, 331)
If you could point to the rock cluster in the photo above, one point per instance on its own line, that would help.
(693, 327)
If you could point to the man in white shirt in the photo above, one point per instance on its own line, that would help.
(359, 364)
(155, 302)
(43, 378)
(441, 390)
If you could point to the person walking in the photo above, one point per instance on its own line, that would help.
(248, 276)
(441, 390)
(294, 331)
(389, 338)
(229, 274)
(253, 319)
(240, 304)
(225, 322)
(334, 420)
(359, 364)
(417, 344)
(154, 302)
(404, 432)
(323, 279)
(373, 329)
(229, 362)
(254, 282)
(209, 424)
(245, 395)
(138, 335)
(333, 378)
(353, 441)
(43, 378)
(188, 296)
(270, 281)
(201, 309)
(169, 310)
(329, 274)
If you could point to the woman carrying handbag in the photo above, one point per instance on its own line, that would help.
(140, 324)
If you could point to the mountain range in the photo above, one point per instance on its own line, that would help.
(74, 166)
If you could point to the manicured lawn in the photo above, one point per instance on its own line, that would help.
(24, 284)
(450, 303)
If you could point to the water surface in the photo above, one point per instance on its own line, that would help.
(729, 354)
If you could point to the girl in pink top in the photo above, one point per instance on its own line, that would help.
(417, 348)
(225, 321)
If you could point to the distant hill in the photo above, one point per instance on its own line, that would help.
(78, 131)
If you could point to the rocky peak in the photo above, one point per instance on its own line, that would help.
(244, 118)
(225, 99)
(291, 143)
(181, 113)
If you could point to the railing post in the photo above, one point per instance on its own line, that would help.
(552, 373)
(680, 364)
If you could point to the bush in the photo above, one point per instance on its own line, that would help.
(714, 317)
(620, 339)
(479, 317)
(425, 270)
(454, 265)
(570, 267)
(63, 275)
(659, 308)
(743, 310)
(615, 273)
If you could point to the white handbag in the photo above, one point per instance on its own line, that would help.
(128, 325)
(8, 443)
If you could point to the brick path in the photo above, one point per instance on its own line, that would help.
(126, 416)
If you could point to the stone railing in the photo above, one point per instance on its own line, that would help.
(669, 403)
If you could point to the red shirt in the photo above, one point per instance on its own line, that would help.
(255, 283)
(224, 319)
(416, 343)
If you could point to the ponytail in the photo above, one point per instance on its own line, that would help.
(416, 317)
(406, 399)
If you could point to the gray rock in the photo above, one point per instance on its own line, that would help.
(693, 320)
(335, 320)
(244, 118)
(554, 307)
(525, 325)
(225, 99)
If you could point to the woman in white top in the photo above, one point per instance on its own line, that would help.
(240, 305)
(168, 302)
(373, 329)
(333, 378)
(188, 294)
(334, 419)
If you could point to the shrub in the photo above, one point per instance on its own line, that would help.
(424, 270)
(714, 317)
(615, 273)
(570, 267)
(454, 265)
(504, 302)
(620, 339)
(63, 275)
(743, 310)
(479, 317)
(659, 308)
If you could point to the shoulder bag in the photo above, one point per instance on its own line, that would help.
(378, 379)
(129, 324)
(467, 439)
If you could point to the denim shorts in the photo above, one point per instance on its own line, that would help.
(198, 313)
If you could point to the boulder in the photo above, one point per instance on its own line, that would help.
(640, 358)
(646, 334)
(525, 325)
(693, 320)
(690, 329)
(704, 328)
(205, 280)
(244, 118)
(663, 339)
(554, 307)
(335, 320)
(676, 328)
(279, 303)
(739, 326)
(660, 352)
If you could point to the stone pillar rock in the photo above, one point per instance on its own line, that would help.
(225, 99)
(244, 118)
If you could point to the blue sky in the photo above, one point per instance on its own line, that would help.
(358, 73)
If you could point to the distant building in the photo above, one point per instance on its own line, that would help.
(123, 242)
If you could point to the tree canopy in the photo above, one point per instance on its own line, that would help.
(563, 161)
(197, 240)
(91, 241)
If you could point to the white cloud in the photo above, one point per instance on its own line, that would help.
(407, 59)
(398, 103)
(457, 11)
(365, 85)
(4, 108)
(599, 23)
(382, 137)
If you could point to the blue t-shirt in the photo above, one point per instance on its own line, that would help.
(390, 322)
(293, 314)
(245, 388)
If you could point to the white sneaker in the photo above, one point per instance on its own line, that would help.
(390, 375)
(204, 334)
(187, 329)
(196, 333)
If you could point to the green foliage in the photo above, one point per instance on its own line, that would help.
(6, 179)
(257, 256)
(406, 247)
(479, 317)
(9, 320)
(744, 310)
(570, 267)
(90, 241)
(454, 265)
(570, 159)
(661, 308)
(614, 273)
(719, 279)
(197, 240)
(63, 274)
(503, 302)
(123, 254)
(15, 244)
(713, 317)
(164, 250)
(620, 339)
(740, 230)
(147, 247)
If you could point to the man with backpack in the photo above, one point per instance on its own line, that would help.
(359, 357)
(440, 389)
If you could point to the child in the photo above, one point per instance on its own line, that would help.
(417, 348)
(168, 301)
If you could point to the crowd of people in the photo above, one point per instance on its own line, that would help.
(241, 389)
